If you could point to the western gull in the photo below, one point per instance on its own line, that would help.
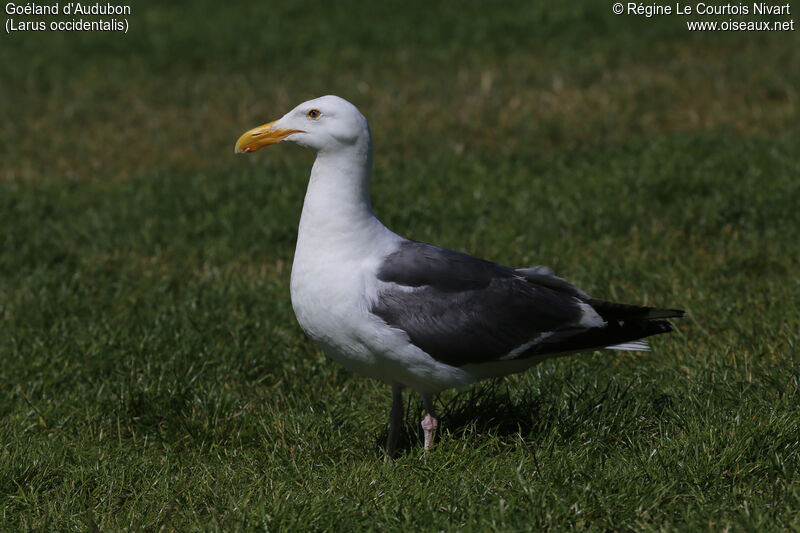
(413, 314)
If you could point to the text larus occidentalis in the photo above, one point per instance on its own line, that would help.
(412, 314)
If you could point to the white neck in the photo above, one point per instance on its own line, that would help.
(337, 220)
(338, 190)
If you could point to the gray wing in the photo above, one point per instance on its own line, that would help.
(461, 310)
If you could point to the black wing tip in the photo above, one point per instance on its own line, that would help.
(614, 334)
(666, 313)
(660, 326)
(618, 311)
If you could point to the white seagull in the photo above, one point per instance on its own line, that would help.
(412, 314)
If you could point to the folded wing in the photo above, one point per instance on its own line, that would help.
(463, 310)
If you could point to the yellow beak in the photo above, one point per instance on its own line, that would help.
(252, 140)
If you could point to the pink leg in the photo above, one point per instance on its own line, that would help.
(430, 422)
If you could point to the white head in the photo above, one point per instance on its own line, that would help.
(325, 124)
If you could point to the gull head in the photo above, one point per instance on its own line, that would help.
(328, 123)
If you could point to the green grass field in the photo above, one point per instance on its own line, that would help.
(152, 375)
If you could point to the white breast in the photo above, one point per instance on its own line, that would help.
(340, 247)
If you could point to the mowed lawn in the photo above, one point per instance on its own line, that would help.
(152, 375)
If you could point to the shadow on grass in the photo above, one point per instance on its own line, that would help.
(491, 409)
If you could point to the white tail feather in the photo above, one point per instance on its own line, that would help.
(632, 346)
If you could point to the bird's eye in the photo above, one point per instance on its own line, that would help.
(314, 114)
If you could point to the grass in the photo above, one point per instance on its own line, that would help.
(153, 377)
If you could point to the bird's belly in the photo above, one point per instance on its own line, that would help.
(336, 316)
